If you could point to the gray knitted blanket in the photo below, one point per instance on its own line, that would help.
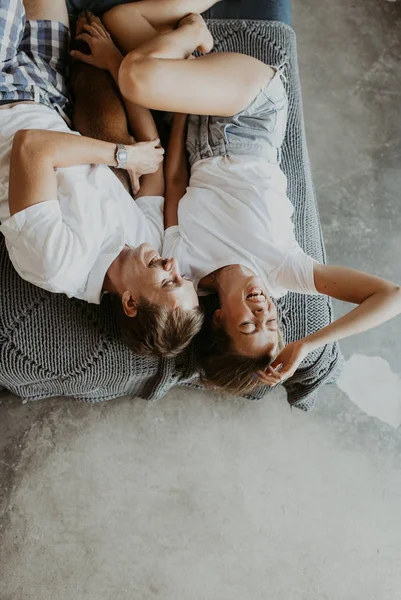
(52, 346)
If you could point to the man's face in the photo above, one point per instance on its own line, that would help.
(159, 281)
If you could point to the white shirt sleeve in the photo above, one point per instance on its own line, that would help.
(172, 237)
(296, 273)
(153, 208)
(44, 251)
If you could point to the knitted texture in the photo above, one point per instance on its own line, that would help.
(53, 346)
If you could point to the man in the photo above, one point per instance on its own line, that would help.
(71, 227)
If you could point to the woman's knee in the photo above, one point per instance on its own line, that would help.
(136, 77)
(116, 18)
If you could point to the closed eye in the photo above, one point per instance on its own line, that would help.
(171, 283)
(247, 328)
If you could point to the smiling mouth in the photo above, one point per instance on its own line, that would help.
(256, 295)
(155, 258)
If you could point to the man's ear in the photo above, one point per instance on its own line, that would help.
(217, 317)
(129, 304)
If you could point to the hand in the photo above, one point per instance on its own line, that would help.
(143, 158)
(104, 54)
(289, 359)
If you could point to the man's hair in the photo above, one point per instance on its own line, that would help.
(157, 330)
(224, 368)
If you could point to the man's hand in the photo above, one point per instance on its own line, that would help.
(290, 358)
(104, 54)
(143, 158)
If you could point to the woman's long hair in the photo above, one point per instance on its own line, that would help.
(221, 366)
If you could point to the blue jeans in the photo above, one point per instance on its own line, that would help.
(266, 10)
(258, 130)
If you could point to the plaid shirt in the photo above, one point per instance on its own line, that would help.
(33, 58)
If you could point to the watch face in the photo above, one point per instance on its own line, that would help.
(122, 156)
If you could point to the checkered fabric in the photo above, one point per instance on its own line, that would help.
(33, 58)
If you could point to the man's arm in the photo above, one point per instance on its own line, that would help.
(176, 170)
(105, 55)
(37, 153)
(378, 301)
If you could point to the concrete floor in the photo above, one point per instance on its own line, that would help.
(201, 498)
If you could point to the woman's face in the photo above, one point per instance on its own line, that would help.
(249, 317)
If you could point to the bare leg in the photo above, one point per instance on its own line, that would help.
(54, 10)
(216, 84)
(133, 24)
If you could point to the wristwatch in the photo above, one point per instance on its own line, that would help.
(121, 156)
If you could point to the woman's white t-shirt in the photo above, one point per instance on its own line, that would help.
(236, 211)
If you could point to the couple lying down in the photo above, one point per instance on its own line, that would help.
(72, 228)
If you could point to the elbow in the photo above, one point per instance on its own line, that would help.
(392, 293)
(176, 176)
(394, 290)
(176, 172)
(176, 180)
(26, 143)
(397, 295)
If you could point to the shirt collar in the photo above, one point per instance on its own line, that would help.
(94, 284)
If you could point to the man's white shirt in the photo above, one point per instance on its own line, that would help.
(67, 244)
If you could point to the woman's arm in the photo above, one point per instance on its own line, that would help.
(176, 171)
(378, 301)
(37, 153)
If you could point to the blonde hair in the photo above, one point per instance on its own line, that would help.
(157, 330)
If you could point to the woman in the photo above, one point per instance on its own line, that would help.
(231, 230)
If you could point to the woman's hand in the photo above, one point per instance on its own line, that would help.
(289, 359)
(104, 54)
(143, 158)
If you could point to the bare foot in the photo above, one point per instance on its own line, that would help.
(205, 37)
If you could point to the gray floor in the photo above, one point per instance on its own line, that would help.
(201, 498)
